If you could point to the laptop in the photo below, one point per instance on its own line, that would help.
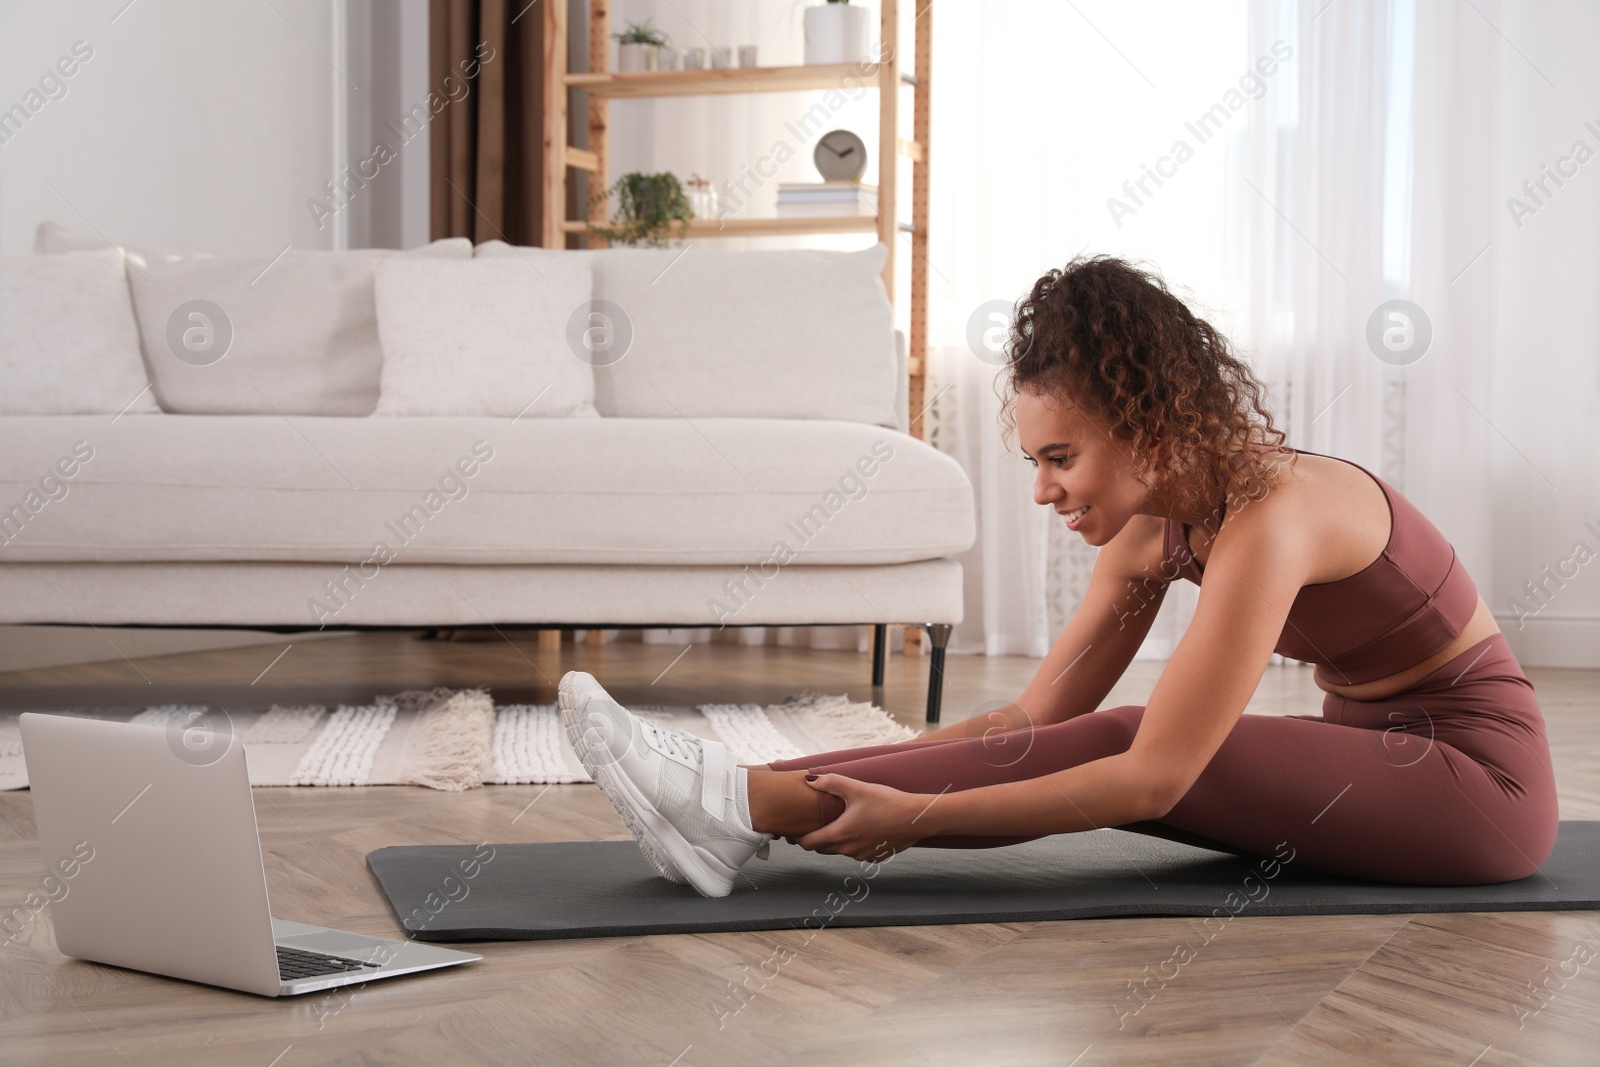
(153, 862)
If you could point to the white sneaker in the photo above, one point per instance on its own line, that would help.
(674, 791)
(576, 724)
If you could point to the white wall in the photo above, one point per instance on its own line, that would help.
(196, 126)
(205, 126)
(1547, 337)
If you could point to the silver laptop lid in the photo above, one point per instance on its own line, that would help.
(150, 833)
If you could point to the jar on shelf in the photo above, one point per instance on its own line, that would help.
(702, 198)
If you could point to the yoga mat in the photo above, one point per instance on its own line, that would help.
(530, 892)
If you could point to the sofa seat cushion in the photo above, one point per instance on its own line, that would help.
(374, 492)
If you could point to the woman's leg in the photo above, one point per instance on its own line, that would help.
(781, 803)
(949, 763)
(1447, 783)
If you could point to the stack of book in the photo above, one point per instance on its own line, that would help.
(826, 199)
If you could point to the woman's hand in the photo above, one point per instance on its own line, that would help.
(877, 820)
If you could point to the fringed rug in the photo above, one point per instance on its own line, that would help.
(456, 739)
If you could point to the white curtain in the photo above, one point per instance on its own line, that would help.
(1353, 173)
(1384, 167)
(1287, 167)
(1047, 119)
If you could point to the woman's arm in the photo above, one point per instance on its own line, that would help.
(879, 820)
(1099, 641)
(1255, 570)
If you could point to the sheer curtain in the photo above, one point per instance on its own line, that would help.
(1376, 185)
(1057, 131)
(1302, 164)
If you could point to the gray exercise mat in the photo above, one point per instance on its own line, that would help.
(499, 892)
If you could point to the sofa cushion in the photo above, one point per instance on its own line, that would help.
(762, 492)
(68, 341)
(255, 335)
(482, 337)
(779, 333)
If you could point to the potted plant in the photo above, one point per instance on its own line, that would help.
(837, 32)
(646, 206)
(637, 46)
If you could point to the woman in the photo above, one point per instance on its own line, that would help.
(1428, 764)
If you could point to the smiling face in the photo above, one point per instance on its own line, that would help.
(1078, 466)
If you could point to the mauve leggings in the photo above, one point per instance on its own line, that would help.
(1447, 783)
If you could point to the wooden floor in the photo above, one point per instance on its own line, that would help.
(1463, 990)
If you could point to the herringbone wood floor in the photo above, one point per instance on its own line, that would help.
(1465, 990)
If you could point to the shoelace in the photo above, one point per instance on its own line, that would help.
(680, 741)
(688, 745)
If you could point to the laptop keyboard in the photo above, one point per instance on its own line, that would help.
(294, 963)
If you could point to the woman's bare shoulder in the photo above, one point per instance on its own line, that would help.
(1332, 505)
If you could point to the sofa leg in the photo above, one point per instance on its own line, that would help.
(880, 638)
(938, 637)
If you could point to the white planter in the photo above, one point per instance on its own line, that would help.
(838, 33)
(632, 57)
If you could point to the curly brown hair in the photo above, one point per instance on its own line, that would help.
(1111, 338)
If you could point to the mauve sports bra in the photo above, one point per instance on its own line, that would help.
(1396, 612)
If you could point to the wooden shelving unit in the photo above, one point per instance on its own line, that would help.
(603, 86)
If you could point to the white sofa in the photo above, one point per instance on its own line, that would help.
(745, 462)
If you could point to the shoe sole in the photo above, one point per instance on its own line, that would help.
(654, 851)
(658, 839)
